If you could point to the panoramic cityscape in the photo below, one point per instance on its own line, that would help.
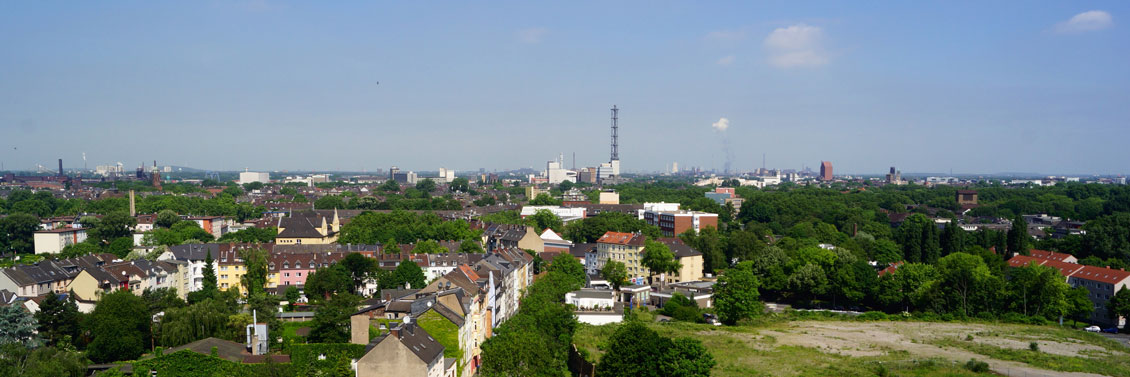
(261, 188)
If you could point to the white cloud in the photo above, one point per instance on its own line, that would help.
(726, 60)
(799, 45)
(532, 35)
(1087, 21)
(721, 125)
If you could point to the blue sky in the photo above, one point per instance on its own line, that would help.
(976, 87)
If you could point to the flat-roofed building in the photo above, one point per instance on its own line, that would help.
(53, 241)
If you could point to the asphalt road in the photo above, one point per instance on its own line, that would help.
(1121, 338)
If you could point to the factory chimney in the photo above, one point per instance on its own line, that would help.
(60, 167)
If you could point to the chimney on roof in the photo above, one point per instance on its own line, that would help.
(395, 331)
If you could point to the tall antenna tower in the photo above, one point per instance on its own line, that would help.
(615, 145)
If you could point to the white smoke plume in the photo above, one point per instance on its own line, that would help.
(721, 125)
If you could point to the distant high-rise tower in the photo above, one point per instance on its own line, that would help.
(825, 170)
(615, 128)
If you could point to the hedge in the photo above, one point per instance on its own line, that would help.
(186, 363)
(339, 356)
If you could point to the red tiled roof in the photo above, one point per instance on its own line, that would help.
(618, 238)
(1064, 268)
(1099, 274)
(1078, 271)
(468, 272)
(891, 269)
(1049, 255)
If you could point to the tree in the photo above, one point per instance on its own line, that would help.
(964, 284)
(58, 319)
(544, 200)
(899, 289)
(686, 357)
(658, 258)
(161, 299)
(209, 288)
(328, 281)
(255, 261)
(886, 251)
(190, 230)
(410, 274)
(569, 267)
(17, 231)
(735, 295)
(953, 239)
(429, 247)
(565, 186)
(470, 247)
(592, 228)
(1080, 305)
(207, 318)
(329, 202)
(1107, 237)
(631, 351)
(19, 361)
(426, 185)
(331, 319)
(808, 281)
(166, 218)
(635, 350)
(17, 326)
(545, 219)
(120, 246)
(460, 184)
(79, 249)
(1038, 290)
(1119, 304)
(1018, 236)
(112, 226)
(360, 268)
(292, 295)
(615, 272)
(120, 325)
(389, 186)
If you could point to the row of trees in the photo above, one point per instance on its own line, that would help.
(403, 227)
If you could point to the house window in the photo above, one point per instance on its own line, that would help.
(299, 274)
(287, 275)
(286, 265)
(312, 265)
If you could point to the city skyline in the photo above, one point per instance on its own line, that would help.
(290, 86)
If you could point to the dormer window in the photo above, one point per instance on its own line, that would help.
(286, 265)
(313, 265)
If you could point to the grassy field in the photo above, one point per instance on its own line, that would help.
(859, 348)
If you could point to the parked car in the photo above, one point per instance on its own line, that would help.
(1112, 330)
(711, 319)
(1092, 329)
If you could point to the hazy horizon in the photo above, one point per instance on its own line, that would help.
(979, 88)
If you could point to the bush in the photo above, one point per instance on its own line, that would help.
(977, 366)
(883, 371)
(1034, 347)
(304, 358)
(873, 316)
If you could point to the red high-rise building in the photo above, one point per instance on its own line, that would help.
(826, 170)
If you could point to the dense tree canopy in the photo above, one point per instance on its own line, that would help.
(403, 227)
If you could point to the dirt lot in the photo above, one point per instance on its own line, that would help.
(879, 338)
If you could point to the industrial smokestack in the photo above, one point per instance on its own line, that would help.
(132, 205)
(60, 167)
